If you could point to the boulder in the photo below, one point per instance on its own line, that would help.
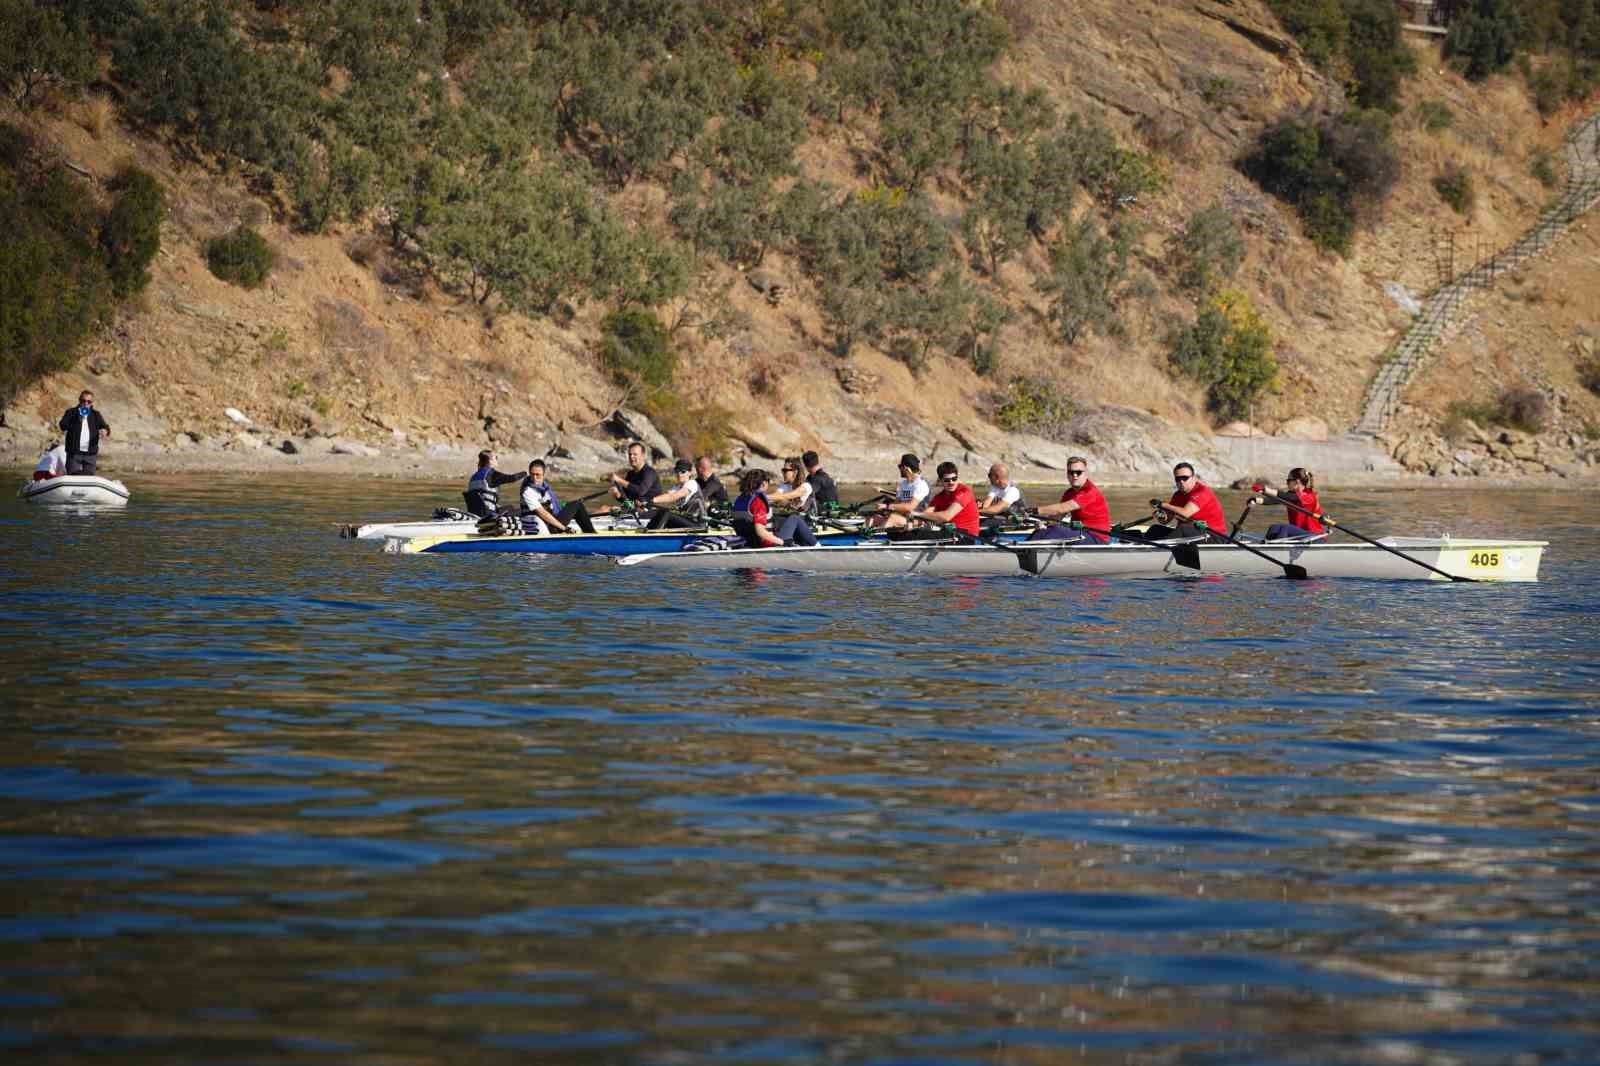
(352, 447)
(288, 447)
(633, 425)
(1239, 429)
(247, 442)
(236, 416)
(1306, 427)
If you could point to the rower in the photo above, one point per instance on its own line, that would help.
(711, 487)
(539, 503)
(795, 491)
(483, 488)
(954, 503)
(1192, 503)
(682, 507)
(52, 463)
(908, 495)
(1003, 497)
(640, 483)
(752, 515)
(1299, 488)
(1083, 501)
(823, 490)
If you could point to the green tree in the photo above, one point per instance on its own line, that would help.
(1087, 270)
(39, 47)
(1208, 251)
(1228, 349)
(1483, 38)
(131, 233)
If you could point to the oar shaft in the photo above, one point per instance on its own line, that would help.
(1332, 524)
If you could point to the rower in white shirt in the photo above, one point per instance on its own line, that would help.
(682, 507)
(1003, 495)
(908, 495)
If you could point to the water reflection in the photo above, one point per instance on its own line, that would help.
(289, 798)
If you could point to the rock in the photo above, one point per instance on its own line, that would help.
(1402, 298)
(1567, 470)
(633, 425)
(766, 285)
(1466, 459)
(1306, 427)
(854, 380)
(766, 436)
(243, 442)
(236, 416)
(288, 447)
(575, 455)
(1241, 429)
(351, 447)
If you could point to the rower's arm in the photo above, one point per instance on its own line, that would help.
(1054, 510)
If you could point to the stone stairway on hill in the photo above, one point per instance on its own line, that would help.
(1441, 309)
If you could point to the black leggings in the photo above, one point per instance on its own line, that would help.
(664, 519)
(575, 512)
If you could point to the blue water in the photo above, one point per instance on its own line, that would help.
(269, 796)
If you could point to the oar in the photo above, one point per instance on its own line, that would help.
(1290, 570)
(1185, 554)
(1328, 521)
(1251, 502)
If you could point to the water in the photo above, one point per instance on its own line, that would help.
(267, 796)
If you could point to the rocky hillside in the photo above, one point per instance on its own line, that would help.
(347, 347)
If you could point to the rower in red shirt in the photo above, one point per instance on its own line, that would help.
(1083, 502)
(954, 502)
(1193, 501)
(1299, 489)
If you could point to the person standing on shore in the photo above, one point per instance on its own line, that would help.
(84, 429)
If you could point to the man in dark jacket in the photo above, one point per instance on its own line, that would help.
(84, 428)
(823, 490)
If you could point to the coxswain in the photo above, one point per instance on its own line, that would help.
(539, 502)
(84, 429)
(640, 483)
(711, 486)
(52, 463)
(483, 487)
(1081, 502)
(908, 495)
(1299, 488)
(1192, 501)
(1003, 497)
(823, 490)
(752, 516)
(954, 502)
(682, 507)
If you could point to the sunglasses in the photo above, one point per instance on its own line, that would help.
(951, 480)
(1181, 479)
(1076, 473)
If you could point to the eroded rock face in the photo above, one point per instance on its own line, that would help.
(1306, 427)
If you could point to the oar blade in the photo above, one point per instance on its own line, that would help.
(1028, 559)
(1295, 572)
(1186, 555)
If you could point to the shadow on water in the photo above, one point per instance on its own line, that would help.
(268, 795)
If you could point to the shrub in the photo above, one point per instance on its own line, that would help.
(1589, 373)
(39, 47)
(1209, 250)
(1483, 38)
(1543, 169)
(1229, 350)
(1334, 172)
(241, 257)
(1454, 186)
(1087, 271)
(1523, 409)
(1356, 41)
(636, 349)
(1435, 116)
(131, 233)
(1033, 405)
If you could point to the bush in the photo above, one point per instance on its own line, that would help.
(1523, 409)
(1435, 116)
(1033, 405)
(1543, 169)
(636, 349)
(39, 47)
(1209, 251)
(1454, 187)
(131, 234)
(1335, 172)
(1088, 268)
(1589, 373)
(241, 257)
(1356, 41)
(1483, 39)
(1229, 350)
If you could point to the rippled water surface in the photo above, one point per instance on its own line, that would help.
(269, 796)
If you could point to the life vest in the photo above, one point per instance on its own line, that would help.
(745, 515)
(483, 498)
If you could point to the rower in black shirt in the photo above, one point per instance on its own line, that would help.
(711, 487)
(823, 491)
(640, 484)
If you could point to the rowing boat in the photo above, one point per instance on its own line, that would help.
(1479, 560)
(76, 489)
(438, 527)
(629, 542)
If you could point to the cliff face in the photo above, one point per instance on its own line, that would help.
(344, 344)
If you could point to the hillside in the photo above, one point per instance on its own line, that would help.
(349, 342)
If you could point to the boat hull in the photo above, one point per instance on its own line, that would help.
(1479, 560)
(443, 527)
(75, 490)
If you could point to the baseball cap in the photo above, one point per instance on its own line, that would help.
(682, 466)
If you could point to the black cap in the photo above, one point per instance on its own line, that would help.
(682, 466)
(911, 462)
